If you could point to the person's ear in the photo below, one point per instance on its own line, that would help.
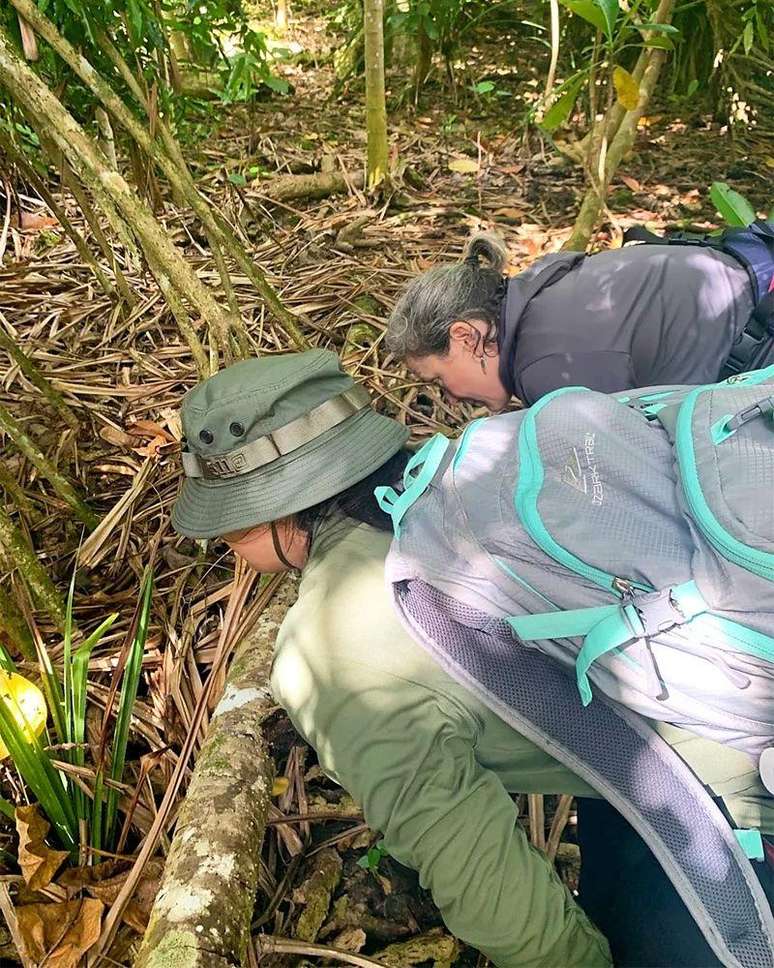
(465, 334)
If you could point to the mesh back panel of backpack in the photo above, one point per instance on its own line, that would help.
(670, 805)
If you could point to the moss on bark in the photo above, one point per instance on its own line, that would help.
(204, 907)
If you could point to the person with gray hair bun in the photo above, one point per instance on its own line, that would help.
(644, 315)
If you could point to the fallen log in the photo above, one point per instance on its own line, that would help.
(202, 913)
(285, 188)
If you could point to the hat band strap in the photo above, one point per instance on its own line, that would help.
(284, 440)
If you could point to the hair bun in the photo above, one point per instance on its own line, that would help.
(487, 246)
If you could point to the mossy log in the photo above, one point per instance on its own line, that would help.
(285, 188)
(202, 914)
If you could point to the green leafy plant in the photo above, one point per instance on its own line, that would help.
(734, 208)
(373, 857)
(68, 807)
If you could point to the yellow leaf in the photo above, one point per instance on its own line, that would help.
(25, 703)
(38, 862)
(280, 786)
(770, 161)
(627, 89)
(465, 166)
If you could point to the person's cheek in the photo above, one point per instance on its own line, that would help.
(258, 552)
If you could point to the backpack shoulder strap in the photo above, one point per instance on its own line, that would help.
(616, 752)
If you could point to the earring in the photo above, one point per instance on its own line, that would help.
(483, 364)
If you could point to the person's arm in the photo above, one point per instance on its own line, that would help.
(407, 754)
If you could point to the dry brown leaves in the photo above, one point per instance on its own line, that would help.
(38, 862)
(59, 935)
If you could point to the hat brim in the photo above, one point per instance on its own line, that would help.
(336, 460)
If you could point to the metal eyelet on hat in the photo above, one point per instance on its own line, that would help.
(237, 429)
(206, 436)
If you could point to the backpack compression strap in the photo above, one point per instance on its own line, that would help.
(616, 752)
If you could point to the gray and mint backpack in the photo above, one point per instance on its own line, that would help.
(630, 542)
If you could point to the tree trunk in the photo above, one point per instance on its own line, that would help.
(281, 16)
(203, 911)
(43, 590)
(169, 158)
(376, 111)
(58, 124)
(62, 487)
(424, 60)
(620, 131)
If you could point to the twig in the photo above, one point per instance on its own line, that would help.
(558, 824)
(267, 944)
(537, 820)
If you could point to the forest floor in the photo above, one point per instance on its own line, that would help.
(339, 261)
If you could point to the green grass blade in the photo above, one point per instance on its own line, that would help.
(68, 645)
(97, 811)
(6, 662)
(126, 705)
(7, 808)
(39, 774)
(77, 684)
(52, 690)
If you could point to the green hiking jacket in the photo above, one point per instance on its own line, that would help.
(434, 768)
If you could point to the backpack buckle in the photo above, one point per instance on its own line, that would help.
(657, 612)
(759, 409)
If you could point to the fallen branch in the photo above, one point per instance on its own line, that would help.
(266, 944)
(202, 914)
(285, 188)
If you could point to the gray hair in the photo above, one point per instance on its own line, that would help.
(420, 323)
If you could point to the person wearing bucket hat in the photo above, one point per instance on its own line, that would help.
(267, 438)
(281, 458)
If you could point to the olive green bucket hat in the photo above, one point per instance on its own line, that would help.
(268, 437)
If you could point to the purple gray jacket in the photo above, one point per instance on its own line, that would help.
(644, 315)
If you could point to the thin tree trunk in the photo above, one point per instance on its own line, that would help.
(551, 76)
(376, 110)
(30, 92)
(107, 136)
(62, 487)
(169, 159)
(36, 378)
(424, 60)
(58, 212)
(620, 130)
(24, 559)
(71, 183)
(281, 16)
(13, 626)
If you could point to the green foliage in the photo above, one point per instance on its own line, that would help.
(370, 861)
(606, 39)
(734, 208)
(564, 102)
(63, 801)
(213, 35)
